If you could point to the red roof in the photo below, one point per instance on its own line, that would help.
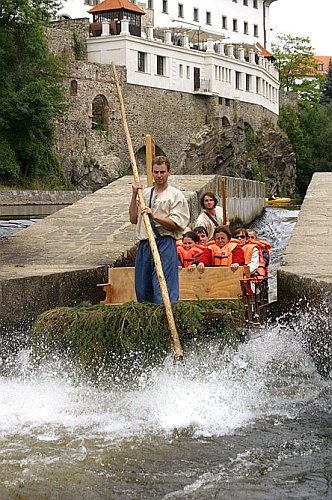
(324, 60)
(262, 50)
(107, 5)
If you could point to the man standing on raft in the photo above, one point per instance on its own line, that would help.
(169, 216)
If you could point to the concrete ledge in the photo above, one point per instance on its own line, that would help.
(35, 197)
(306, 270)
(305, 275)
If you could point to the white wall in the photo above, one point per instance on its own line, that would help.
(218, 71)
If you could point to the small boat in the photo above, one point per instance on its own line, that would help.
(277, 201)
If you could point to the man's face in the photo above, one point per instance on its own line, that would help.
(208, 202)
(160, 174)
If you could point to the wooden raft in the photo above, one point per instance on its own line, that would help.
(216, 283)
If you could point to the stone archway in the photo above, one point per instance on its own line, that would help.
(100, 113)
(225, 122)
(141, 158)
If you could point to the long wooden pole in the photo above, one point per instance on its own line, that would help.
(156, 257)
(223, 198)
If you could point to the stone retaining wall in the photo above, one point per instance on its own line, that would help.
(35, 197)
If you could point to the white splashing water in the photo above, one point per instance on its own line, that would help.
(209, 393)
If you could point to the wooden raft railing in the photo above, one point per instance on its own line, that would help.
(216, 283)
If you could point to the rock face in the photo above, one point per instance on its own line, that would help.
(199, 134)
(238, 151)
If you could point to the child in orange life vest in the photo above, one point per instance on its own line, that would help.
(179, 241)
(251, 252)
(265, 248)
(190, 249)
(223, 252)
(203, 235)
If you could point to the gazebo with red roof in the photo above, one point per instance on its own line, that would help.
(113, 11)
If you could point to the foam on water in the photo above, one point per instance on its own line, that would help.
(210, 394)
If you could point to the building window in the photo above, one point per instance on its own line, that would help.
(141, 61)
(255, 29)
(188, 72)
(320, 67)
(224, 22)
(237, 80)
(248, 83)
(234, 24)
(255, 4)
(165, 7)
(150, 4)
(161, 65)
(208, 17)
(180, 70)
(245, 28)
(235, 1)
(196, 16)
(73, 87)
(245, 2)
(180, 10)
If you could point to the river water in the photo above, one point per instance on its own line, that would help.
(255, 423)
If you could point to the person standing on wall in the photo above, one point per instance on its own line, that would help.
(212, 215)
(169, 215)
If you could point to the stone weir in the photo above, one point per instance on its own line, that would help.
(60, 260)
(305, 275)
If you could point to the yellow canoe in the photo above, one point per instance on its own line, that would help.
(277, 201)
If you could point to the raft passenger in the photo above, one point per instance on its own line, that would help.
(212, 215)
(223, 252)
(190, 249)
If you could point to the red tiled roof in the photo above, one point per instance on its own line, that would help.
(107, 5)
(324, 60)
(262, 50)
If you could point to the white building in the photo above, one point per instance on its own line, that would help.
(239, 21)
(198, 61)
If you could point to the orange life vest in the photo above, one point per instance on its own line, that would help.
(262, 270)
(223, 256)
(248, 250)
(188, 256)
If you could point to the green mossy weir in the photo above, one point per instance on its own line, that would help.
(93, 336)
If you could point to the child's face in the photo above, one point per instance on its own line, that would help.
(188, 242)
(202, 237)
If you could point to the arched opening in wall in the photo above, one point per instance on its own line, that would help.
(73, 87)
(250, 138)
(100, 113)
(141, 158)
(225, 122)
(63, 17)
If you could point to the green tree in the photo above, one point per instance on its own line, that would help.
(14, 12)
(30, 90)
(326, 88)
(294, 58)
(289, 121)
(317, 122)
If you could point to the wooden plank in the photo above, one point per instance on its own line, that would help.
(214, 283)
(122, 280)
